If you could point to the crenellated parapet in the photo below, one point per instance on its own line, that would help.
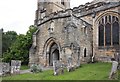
(55, 15)
(93, 7)
(80, 11)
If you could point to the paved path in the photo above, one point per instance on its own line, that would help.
(28, 70)
(25, 71)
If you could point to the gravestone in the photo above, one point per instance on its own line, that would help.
(70, 66)
(113, 73)
(58, 67)
(117, 58)
(78, 64)
(1, 72)
(15, 66)
(78, 60)
(4, 69)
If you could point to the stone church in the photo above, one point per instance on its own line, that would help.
(85, 33)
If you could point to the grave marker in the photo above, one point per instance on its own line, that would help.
(70, 66)
(57, 67)
(15, 66)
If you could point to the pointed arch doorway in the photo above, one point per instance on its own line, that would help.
(52, 51)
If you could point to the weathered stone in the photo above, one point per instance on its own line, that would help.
(15, 66)
(70, 65)
(58, 67)
(4, 69)
(117, 58)
(78, 26)
(113, 73)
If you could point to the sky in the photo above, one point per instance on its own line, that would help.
(18, 15)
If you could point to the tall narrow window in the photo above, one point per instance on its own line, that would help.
(108, 34)
(85, 52)
(115, 33)
(62, 2)
(101, 35)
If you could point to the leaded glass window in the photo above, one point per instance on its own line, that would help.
(108, 31)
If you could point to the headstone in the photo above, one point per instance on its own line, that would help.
(15, 66)
(78, 64)
(1, 72)
(113, 70)
(58, 67)
(70, 66)
(4, 69)
(117, 58)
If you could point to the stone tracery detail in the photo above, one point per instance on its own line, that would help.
(109, 31)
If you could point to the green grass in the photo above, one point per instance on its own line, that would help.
(96, 71)
(24, 67)
(119, 75)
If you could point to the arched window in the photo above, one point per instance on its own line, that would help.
(85, 52)
(115, 34)
(62, 2)
(101, 35)
(108, 30)
(108, 34)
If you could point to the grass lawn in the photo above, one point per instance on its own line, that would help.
(24, 67)
(95, 71)
(119, 75)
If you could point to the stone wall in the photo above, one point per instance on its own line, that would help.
(66, 30)
(107, 52)
(74, 31)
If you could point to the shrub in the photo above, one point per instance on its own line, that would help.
(35, 68)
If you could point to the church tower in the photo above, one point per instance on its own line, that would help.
(45, 7)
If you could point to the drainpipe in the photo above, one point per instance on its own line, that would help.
(93, 49)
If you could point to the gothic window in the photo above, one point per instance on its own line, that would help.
(101, 35)
(108, 31)
(85, 52)
(62, 2)
(85, 30)
(115, 34)
(109, 18)
(108, 34)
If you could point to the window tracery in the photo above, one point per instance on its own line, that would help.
(108, 32)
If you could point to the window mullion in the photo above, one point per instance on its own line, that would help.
(104, 36)
(111, 35)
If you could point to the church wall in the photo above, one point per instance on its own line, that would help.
(76, 35)
(44, 35)
(102, 53)
(77, 27)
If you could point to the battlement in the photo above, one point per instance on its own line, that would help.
(80, 11)
(92, 8)
(55, 15)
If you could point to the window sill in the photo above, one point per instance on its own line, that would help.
(109, 47)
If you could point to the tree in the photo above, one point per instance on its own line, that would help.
(8, 38)
(20, 48)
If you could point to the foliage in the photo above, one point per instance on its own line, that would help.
(8, 38)
(94, 71)
(36, 68)
(119, 75)
(19, 50)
